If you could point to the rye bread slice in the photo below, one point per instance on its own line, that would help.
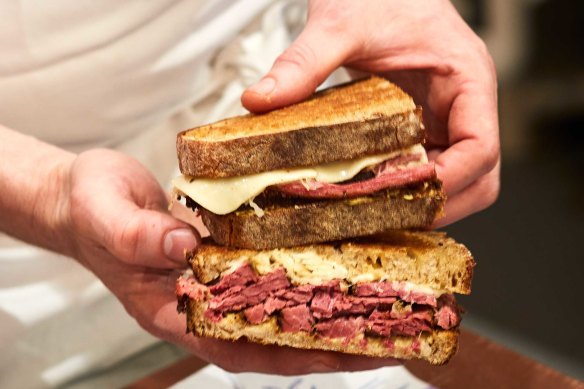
(293, 224)
(371, 116)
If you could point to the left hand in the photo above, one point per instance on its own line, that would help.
(117, 224)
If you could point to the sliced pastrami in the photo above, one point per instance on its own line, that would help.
(238, 297)
(327, 305)
(274, 304)
(255, 314)
(243, 275)
(190, 287)
(288, 298)
(377, 308)
(342, 327)
(299, 295)
(386, 180)
(448, 315)
(296, 319)
(380, 289)
(382, 323)
(394, 289)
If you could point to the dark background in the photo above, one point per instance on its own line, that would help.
(528, 289)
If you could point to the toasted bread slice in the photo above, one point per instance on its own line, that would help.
(426, 258)
(436, 347)
(292, 224)
(361, 118)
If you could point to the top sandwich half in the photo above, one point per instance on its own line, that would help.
(347, 162)
(357, 125)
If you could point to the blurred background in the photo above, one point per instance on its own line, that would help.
(528, 289)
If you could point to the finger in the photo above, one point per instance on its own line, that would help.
(151, 238)
(296, 74)
(478, 196)
(124, 211)
(285, 360)
(473, 138)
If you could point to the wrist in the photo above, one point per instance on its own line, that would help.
(51, 216)
(34, 190)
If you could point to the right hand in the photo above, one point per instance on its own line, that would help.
(426, 48)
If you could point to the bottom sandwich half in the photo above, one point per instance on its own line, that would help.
(390, 296)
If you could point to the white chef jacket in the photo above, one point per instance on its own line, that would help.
(126, 75)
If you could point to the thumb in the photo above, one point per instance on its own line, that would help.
(154, 239)
(297, 72)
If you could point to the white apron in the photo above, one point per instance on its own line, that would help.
(126, 75)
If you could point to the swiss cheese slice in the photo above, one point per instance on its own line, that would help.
(224, 195)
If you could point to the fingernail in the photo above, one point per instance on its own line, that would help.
(177, 241)
(264, 87)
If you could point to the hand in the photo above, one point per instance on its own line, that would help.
(427, 49)
(117, 216)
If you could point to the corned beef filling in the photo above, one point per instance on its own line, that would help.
(373, 308)
(392, 173)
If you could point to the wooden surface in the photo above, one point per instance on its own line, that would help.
(479, 363)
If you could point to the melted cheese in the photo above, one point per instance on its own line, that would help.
(224, 195)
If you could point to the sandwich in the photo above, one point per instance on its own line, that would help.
(388, 296)
(318, 216)
(347, 162)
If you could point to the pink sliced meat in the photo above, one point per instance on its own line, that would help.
(325, 305)
(239, 297)
(384, 324)
(241, 276)
(448, 315)
(387, 289)
(381, 289)
(255, 314)
(343, 327)
(274, 304)
(385, 180)
(296, 319)
(380, 308)
(190, 287)
(399, 162)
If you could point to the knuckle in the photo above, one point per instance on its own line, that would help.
(491, 155)
(490, 190)
(334, 19)
(299, 55)
(491, 194)
(303, 59)
(484, 56)
(488, 154)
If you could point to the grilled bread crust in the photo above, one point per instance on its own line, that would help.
(350, 121)
(436, 347)
(293, 224)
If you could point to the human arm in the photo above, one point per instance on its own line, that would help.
(427, 49)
